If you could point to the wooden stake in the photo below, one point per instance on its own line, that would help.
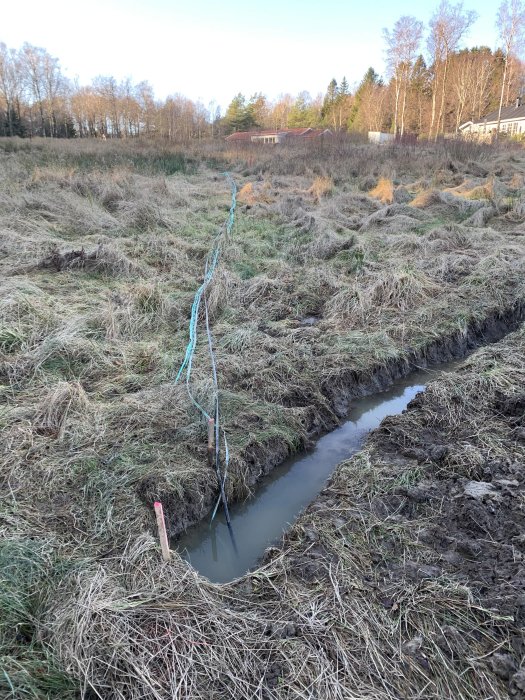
(163, 536)
(211, 440)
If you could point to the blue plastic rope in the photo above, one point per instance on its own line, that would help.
(211, 264)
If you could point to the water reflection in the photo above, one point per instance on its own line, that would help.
(282, 495)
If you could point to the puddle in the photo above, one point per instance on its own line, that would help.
(290, 487)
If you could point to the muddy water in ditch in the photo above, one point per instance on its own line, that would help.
(282, 495)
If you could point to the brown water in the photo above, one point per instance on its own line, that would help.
(288, 489)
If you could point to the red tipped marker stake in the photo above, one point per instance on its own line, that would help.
(161, 525)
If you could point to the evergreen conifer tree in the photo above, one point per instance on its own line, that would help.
(332, 93)
(239, 116)
(370, 79)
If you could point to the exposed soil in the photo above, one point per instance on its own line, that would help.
(339, 393)
(460, 448)
(479, 527)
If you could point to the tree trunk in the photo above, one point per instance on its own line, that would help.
(509, 81)
(441, 117)
(396, 109)
(404, 105)
(9, 116)
(502, 94)
(433, 111)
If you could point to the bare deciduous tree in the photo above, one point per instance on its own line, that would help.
(510, 23)
(448, 26)
(10, 83)
(402, 48)
(32, 62)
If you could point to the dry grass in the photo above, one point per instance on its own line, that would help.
(321, 187)
(425, 198)
(64, 400)
(353, 602)
(255, 193)
(384, 191)
(102, 248)
(401, 290)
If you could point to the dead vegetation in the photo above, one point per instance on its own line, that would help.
(101, 253)
(384, 191)
(105, 259)
(372, 592)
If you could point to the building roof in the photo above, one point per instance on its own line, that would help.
(303, 132)
(298, 131)
(240, 136)
(314, 133)
(507, 113)
(266, 132)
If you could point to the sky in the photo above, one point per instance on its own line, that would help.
(210, 51)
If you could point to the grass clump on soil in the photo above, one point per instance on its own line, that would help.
(321, 187)
(103, 250)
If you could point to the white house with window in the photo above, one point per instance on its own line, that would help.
(512, 122)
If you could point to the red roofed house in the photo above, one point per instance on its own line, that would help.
(277, 135)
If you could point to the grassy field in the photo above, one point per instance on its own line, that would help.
(344, 260)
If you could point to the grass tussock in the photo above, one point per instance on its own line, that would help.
(322, 186)
(401, 290)
(64, 400)
(384, 191)
(425, 198)
(255, 193)
(29, 669)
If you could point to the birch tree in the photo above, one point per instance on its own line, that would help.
(52, 83)
(463, 79)
(448, 26)
(510, 24)
(32, 63)
(402, 48)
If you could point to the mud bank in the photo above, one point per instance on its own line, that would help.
(339, 393)
(442, 486)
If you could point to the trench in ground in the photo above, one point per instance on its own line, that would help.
(290, 487)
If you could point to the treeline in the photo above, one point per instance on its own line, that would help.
(472, 89)
(36, 99)
(423, 96)
(427, 93)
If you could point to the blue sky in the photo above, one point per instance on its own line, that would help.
(212, 50)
